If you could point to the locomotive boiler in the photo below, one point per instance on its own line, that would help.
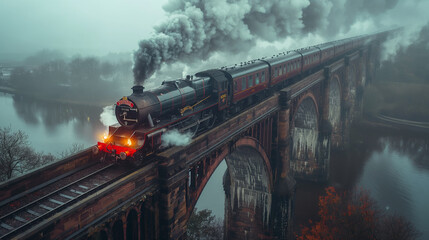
(185, 105)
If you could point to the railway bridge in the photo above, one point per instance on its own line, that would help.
(284, 137)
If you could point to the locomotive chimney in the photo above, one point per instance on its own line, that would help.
(137, 89)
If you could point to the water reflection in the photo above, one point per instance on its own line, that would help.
(53, 114)
(393, 167)
(51, 126)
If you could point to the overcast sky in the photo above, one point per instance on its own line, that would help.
(97, 27)
(76, 26)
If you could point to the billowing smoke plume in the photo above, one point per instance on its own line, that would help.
(196, 29)
(175, 138)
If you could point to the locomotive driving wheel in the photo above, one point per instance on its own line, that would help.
(190, 125)
(209, 119)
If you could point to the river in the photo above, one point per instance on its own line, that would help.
(51, 127)
(393, 167)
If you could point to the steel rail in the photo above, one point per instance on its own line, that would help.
(60, 206)
(45, 184)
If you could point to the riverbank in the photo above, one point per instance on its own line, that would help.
(5, 89)
(78, 101)
(401, 100)
(386, 123)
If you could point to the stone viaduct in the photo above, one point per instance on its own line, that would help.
(287, 136)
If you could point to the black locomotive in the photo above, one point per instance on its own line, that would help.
(196, 103)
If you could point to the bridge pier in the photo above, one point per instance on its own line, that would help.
(285, 184)
(173, 209)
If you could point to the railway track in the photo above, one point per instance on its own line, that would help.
(39, 178)
(65, 194)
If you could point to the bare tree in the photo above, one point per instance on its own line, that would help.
(14, 150)
(16, 156)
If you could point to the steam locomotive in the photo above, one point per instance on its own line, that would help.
(198, 102)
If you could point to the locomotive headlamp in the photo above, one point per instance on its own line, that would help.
(105, 137)
(129, 142)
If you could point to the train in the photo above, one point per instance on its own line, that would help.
(197, 103)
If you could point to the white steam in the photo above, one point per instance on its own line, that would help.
(107, 117)
(185, 71)
(175, 138)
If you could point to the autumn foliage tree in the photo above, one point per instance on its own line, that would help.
(355, 216)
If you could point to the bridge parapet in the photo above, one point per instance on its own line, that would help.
(38, 178)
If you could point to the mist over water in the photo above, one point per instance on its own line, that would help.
(392, 167)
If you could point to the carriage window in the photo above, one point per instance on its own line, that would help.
(250, 81)
(243, 83)
(235, 86)
(288, 67)
(284, 68)
(257, 79)
(275, 72)
(263, 77)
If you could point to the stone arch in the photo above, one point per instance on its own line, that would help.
(255, 145)
(223, 153)
(118, 230)
(132, 225)
(248, 188)
(249, 180)
(305, 129)
(334, 115)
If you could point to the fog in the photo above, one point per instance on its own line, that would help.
(93, 27)
(171, 38)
